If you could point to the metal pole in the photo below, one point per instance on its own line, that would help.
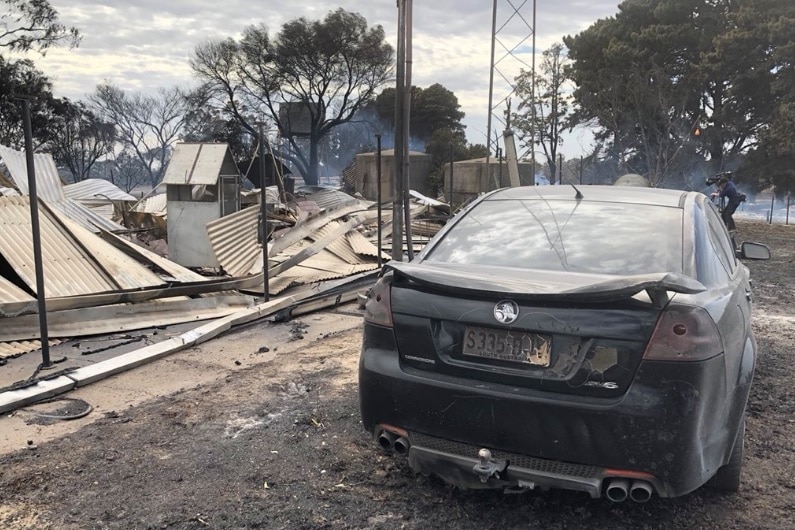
(580, 170)
(788, 198)
(772, 205)
(452, 158)
(499, 161)
(533, 99)
(560, 169)
(491, 83)
(36, 232)
(406, 129)
(263, 209)
(378, 188)
(397, 198)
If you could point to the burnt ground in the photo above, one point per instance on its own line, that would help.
(279, 444)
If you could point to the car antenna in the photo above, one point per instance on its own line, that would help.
(578, 195)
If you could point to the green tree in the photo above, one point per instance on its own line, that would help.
(649, 75)
(432, 108)
(79, 138)
(435, 122)
(33, 25)
(544, 106)
(326, 70)
(762, 42)
(22, 79)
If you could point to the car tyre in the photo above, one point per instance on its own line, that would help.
(728, 477)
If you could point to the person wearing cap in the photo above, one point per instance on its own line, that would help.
(727, 190)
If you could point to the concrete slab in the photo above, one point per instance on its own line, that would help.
(42, 390)
(95, 372)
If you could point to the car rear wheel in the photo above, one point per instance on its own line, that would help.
(728, 477)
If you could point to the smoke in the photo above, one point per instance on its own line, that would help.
(357, 136)
(765, 207)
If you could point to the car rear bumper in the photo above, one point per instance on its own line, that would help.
(676, 428)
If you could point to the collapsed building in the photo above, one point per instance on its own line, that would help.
(102, 275)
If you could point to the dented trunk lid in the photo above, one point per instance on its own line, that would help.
(581, 334)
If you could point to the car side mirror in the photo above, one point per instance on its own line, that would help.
(755, 251)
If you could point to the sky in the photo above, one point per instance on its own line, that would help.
(140, 45)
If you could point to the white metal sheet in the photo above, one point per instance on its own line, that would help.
(188, 243)
(48, 181)
(68, 269)
(11, 293)
(195, 164)
(125, 271)
(84, 216)
(234, 240)
(96, 189)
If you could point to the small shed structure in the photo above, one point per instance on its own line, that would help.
(366, 174)
(202, 185)
(472, 177)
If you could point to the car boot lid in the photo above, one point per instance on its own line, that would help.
(557, 285)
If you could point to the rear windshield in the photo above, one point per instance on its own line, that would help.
(604, 238)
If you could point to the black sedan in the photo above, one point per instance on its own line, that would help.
(548, 337)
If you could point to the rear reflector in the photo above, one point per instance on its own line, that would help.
(684, 333)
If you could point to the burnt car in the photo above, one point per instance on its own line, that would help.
(596, 340)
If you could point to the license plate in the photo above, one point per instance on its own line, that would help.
(502, 345)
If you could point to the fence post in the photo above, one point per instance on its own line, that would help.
(772, 205)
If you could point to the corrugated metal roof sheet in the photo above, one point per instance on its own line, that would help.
(50, 189)
(106, 211)
(363, 246)
(175, 270)
(125, 271)
(48, 181)
(8, 191)
(196, 164)
(340, 247)
(11, 293)
(76, 262)
(326, 198)
(156, 205)
(68, 269)
(14, 349)
(322, 266)
(234, 241)
(96, 189)
(85, 217)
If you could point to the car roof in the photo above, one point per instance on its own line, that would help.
(622, 194)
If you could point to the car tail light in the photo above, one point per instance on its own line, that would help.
(378, 308)
(684, 333)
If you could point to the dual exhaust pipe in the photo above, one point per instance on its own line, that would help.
(392, 443)
(620, 488)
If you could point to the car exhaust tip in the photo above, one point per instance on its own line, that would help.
(387, 441)
(401, 446)
(641, 491)
(617, 490)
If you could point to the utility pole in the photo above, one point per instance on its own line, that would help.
(408, 6)
(36, 232)
(397, 188)
(263, 211)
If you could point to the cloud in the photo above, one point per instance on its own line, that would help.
(146, 44)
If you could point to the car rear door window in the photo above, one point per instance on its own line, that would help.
(581, 236)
